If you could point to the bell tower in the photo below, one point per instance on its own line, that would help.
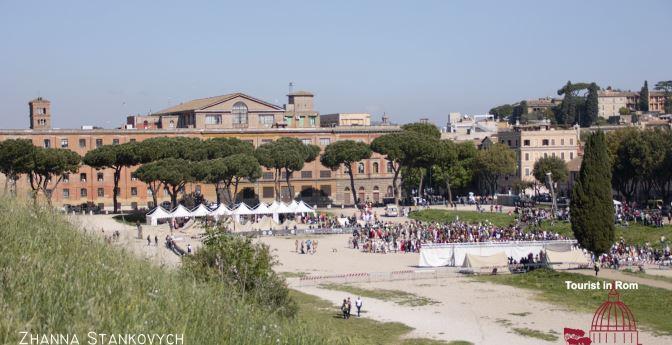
(40, 113)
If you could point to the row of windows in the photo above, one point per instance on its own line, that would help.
(100, 177)
(82, 143)
(83, 192)
(562, 155)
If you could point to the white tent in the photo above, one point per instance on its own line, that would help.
(567, 259)
(617, 203)
(262, 209)
(200, 211)
(273, 206)
(498, 259)
(282, 208)
(221, 210)
(292, 206)
(180, 211)
(156, 214)
(303, 208)
(242, 209)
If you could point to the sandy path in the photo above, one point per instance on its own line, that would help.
(616, 275)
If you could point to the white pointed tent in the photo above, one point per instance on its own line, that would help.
(292, 206)
(156, 214)
(221, 210)
(242, 210)
(180, 211)
(262, 209)
(200, 211)
(303, 208)
(498, 259)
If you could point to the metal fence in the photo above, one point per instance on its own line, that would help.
(376, 276)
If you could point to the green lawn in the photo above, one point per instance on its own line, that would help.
(635, 233)
(650, 305)
(396, 296)
(326, 318)
(445, 216)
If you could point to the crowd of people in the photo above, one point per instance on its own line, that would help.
(627, 213)
(623, 254)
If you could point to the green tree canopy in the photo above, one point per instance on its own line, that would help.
(426, 130)
(554, 165)
(392, 147)
(501, 112)
(592, 109)
(115, 157)
(493, 163)
(345, 153)
(591, 208)
(172, 173)
(15, 160)
(643, 104)
(288, 155)
(47, 167)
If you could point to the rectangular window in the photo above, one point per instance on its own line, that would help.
(288, 120)
(165, 192)
(101, 192)
(267, 192)
(544, 142)
(527, 156)
(66, 193)
(526, 142)
(47, 143)
(213, 119)
(82, 177)
(267, 176)
(306, 174)
(325, 174)
(132, 140)
(527, 171)
(64, 143)
(571, 155)
(325, 141)
(307, 141)
(134, 191)
(83, 192)
(266, 120)
(82, 143)
(562, 141)
(571, 141)
(99, 142)
(326, 190)
(562, 155)
(115, 141)
(313, 121)
(66, 178)
(266, 141)
(389, 167)
(100, 177)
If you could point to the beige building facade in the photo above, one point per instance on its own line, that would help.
(610, 102)
(345, 119)
(532, 143)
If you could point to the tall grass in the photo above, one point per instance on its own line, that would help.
(54, 279)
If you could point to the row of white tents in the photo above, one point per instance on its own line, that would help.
(275, 209)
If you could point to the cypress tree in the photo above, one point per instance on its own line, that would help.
(592, 108)
(644, 97)
(591, 208)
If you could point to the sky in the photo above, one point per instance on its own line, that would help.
(98, 62)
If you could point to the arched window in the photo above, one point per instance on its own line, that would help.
(239, 113)
(360, 168)
(389, 167)
(171, 124)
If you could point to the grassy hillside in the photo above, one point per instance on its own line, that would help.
(54, 279)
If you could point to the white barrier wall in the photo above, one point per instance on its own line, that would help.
(452, 254)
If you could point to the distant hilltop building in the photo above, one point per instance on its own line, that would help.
(345, 119)
(540, 105)
(40, 113)
(470, 127)
(611, 101)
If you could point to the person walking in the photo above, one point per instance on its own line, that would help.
(349, 307)
(344, 309)
(156, 241)
(358, 304)
(189, 249)
(149, 241)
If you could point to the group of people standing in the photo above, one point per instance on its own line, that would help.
(346, 307)
(305, 247)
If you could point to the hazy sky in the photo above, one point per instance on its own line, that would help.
(100, 61)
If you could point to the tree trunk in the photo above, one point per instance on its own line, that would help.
(115, 192)
(173, 197)
(395, 188)
(422, 177)
(450, 192)
(289, 186)
(218, 191)
(348, 169)
(235, 188)
(276, 184)
(228, 193)
(6, 184)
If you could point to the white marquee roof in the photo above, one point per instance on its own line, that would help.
(180, 211)
(200, 211)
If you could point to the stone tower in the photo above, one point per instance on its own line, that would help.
(40, 113)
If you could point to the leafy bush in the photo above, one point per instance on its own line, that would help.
(244, 267)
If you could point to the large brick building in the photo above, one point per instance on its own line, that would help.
(234, 115)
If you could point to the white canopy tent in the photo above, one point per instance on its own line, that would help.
(262, 209)
(200, 211)
(497, 259)
(303, 208)
(180, 211)
(221, 210)
(242, 210)
(292, 206)
(156, 214)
